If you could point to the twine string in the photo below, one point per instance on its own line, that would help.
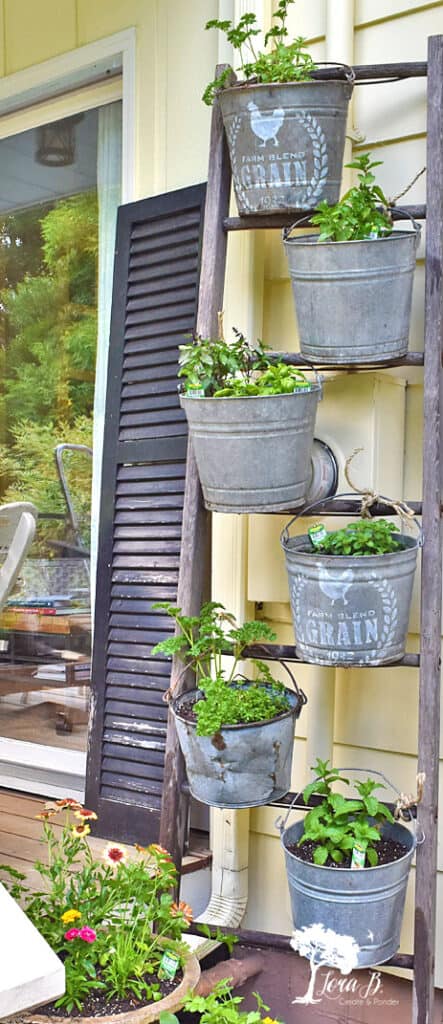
(370, 497)
(405, 802)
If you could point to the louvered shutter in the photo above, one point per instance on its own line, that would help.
(154, 305)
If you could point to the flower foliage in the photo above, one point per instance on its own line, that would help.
(236, 369)
(363, 537)
(357, 215)
(106, 918)
(221, 1007)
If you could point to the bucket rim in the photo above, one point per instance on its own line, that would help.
(313, 239)
(286, 542)
(251, 398)
(294, 711)
(243, 86)
(355, 871)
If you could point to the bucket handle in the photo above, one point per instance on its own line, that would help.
(287, 231)
(284, 536)
(349, 72)
(280, 822)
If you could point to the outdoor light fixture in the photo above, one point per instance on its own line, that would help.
(56, 142)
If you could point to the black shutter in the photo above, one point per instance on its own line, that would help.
(144, 459)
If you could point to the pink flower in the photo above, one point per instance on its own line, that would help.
(73, 933)
(87, 934)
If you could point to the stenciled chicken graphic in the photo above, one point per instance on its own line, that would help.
(266, 126)
(336, 587)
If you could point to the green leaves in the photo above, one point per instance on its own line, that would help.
(336, 824)
(356, 216)
(363, 537)
(236, 369)
(237, 703)
(283, 63)
(221, 1007)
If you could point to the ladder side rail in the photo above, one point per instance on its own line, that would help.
(195, 553)
(431, 576)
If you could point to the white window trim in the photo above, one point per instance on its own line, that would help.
(96, 62)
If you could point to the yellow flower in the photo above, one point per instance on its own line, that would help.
(269, 1020)
(69, 916)
(80, 830)
(84, 815)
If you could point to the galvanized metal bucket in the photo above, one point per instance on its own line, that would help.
(286, 143)
(353, 299)
(242, 765)
(349, 610)
(366, 904)
(253, 454)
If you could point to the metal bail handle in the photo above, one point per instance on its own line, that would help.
(280, 822)
(408, 216)
(284, 536)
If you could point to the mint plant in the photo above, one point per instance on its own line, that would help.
(284, 62)
(364, 537)
(201, 643)
(337, 824)
(357, 215)
(236, 369)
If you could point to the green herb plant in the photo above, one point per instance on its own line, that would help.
(284, 62)
(337, 824)
(364, 537)
(357, 215)
(236, 369)
(222, 1007)
(201, 642)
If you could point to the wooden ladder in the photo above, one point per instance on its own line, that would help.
(195, 553)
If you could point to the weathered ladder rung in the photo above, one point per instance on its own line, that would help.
(351, 507)
(288, 652)
(295, 359)
(254, 222)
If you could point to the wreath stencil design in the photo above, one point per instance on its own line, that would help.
(389, 609)
(304, 198)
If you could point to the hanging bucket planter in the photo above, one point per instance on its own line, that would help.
(349, 609)
(366, 904)
(253, 454)
(353, 299)
(286, 142)
(244, 765)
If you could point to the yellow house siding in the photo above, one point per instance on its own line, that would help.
(49, 31)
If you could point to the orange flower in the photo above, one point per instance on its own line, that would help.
(159, 851)
(81, 830)
(44, 815)
(141, 849)
(115, 853)
(68, 804)
(182, 908)
(85, 815)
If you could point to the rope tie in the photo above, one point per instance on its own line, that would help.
(370, 498)
(405, 802)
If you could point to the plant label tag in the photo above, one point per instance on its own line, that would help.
(317, 534)
(358, 856)
(302, 387)
(195, 392)
(169, 965)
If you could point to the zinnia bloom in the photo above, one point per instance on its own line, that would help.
(73, 933)
(81, 830)
(182, 908)
(87, 934)
(70, 915)
(85, 815)
(68, 804)
(115, 854)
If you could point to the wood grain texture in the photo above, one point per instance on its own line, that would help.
(431, 581)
